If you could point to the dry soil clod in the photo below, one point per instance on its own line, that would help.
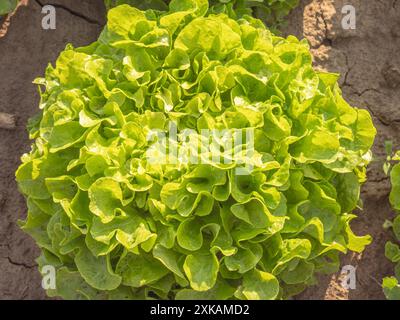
(391, 74)
(7, 121)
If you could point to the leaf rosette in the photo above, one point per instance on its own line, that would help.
(117, 226)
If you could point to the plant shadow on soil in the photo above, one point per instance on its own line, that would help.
(366, 58)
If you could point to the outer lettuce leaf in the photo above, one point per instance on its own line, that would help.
(7, 6)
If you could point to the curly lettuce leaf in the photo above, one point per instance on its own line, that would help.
(272, 12)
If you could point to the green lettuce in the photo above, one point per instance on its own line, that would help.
(391, 285)
(271, 12)
(7, 6)
(118, 226)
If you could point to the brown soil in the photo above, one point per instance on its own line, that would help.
(366, 57)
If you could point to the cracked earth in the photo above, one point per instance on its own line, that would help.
(367, 59)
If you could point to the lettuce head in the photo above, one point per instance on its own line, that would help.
(116, 225)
